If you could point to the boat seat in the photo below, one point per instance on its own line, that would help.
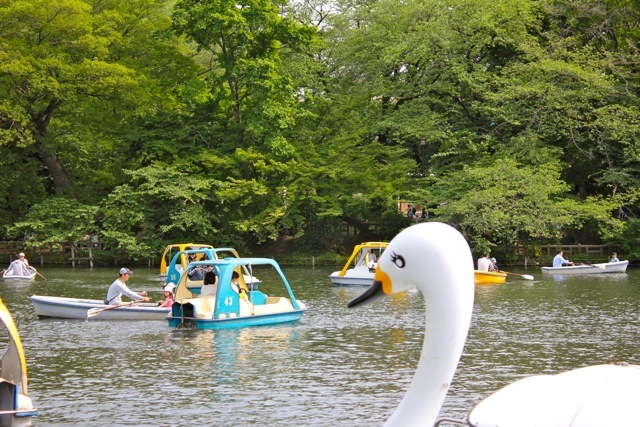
(203, 307)
(257, 297)
(273, 305)
(208, 290)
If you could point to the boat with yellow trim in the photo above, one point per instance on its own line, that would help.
(364, 265)
(16, 407)
(489, 277)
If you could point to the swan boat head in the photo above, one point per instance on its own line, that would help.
(436, 259)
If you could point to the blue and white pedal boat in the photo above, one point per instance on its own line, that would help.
(221, 306)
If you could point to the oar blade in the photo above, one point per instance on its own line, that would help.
(94, 311)
(527, 277)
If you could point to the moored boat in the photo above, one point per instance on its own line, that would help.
(16, 407)
(9, 275)
(361, 274)
(489, 277)
(603, 267)
(78, 308)
(224, 304)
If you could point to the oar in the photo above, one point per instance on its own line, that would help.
(95, 311)
(601, 267)
(39, 273)
(524, 276)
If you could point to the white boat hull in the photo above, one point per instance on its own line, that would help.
(604, 267)
(8, 275)
(77, 308)
(353, 277)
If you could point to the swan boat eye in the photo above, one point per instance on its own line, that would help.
(398, 260)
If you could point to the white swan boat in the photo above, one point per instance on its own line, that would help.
(436, 259)
(361, 273)
(603, 267)
(81, 308)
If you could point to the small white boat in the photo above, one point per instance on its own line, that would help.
(361, 274)
(9, 275)
(16, 407)
(603, 267)
(78, 308)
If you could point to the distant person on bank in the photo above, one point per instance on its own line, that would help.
(119, 287)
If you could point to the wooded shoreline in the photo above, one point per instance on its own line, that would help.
(96, 254)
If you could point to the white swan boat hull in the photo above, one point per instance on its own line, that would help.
(77, 308)
(604, 267)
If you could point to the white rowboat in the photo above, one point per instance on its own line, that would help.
(77, 308)
(8, 275)
(603, 267)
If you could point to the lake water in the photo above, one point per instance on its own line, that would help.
(335, 367)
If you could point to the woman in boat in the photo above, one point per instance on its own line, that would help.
(209, 286)
(494, 265)
(168, 290)
(119, 287)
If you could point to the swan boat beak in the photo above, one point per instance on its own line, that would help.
(381, 286)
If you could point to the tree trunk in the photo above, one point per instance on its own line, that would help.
(61, 179)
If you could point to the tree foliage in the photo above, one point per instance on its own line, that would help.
(242, 122)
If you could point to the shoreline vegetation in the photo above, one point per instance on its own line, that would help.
(101, 257)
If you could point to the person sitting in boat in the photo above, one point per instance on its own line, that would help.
(372, 260)
(209, 286)
(484, 263)
(236, 286)
(559, 261)
(19, 266)
(614, 257)
(494, 265)
(168, 291)
(119, 287)
(195, 273)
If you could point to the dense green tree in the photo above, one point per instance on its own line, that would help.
(72, 70)
(239, 123)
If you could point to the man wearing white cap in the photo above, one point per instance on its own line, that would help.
(19, 266)
(119, 287)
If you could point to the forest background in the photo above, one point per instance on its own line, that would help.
(243, 123)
